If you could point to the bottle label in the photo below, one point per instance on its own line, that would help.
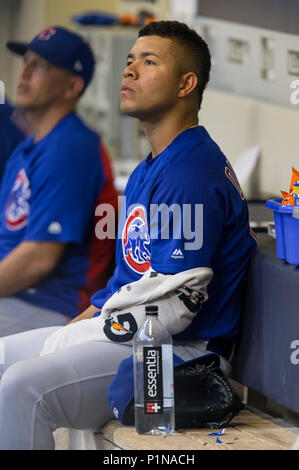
(167, 366)
(158, 378)
(153, 379)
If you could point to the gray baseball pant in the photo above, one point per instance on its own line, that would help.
(17, 315)
(67, 388)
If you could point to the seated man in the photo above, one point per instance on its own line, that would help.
(184, 242)
(53, 182)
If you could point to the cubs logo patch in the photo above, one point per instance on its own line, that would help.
(136, 241)
(17, 207)
(46, 34)
(122, 330)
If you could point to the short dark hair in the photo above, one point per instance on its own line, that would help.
(196, 49)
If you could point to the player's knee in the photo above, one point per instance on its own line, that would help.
(16, 381)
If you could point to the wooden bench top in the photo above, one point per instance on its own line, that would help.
(247, 431)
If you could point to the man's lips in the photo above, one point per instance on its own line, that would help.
(22, 88)
(125, 90)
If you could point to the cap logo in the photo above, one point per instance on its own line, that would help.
(78, 66)
(46, 34)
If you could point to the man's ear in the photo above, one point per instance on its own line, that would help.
(188, 83)
(75, 88)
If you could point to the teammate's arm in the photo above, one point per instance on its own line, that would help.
(28, 264)
(88, 313)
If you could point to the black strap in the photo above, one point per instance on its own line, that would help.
(222, 346)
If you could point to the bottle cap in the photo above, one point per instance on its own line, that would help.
(151, 310)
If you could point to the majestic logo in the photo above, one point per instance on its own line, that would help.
(46, 34)
(177, 254)
(136, 241)
(55, 228)
(17, 207)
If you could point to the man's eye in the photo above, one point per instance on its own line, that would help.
(129, 63)
(149, 62)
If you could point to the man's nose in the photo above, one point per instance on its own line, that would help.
(26, 71)
(130, 71)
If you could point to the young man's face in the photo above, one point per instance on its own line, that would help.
(40, 84)
(151, 78)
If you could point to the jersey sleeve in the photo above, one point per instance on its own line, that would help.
(186, 225)
(64, 184)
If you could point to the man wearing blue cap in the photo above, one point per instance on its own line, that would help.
(50, 259)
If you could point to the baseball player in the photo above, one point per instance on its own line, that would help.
(192, 266)
(50, 259)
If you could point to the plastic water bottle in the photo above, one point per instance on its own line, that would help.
(153, 376)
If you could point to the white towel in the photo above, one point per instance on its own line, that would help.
(178, 297)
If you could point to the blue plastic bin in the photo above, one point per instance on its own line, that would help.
(286, 230)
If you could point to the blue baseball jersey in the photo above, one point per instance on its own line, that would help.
(48, 194)
(10, 135)
(185, 209)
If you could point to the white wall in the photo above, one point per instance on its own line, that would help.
(26, 19)
(8, 13)
(237, 123)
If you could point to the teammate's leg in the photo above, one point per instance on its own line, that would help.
(20, 346)
(17, 315)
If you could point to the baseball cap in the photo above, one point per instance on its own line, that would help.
(60, 47)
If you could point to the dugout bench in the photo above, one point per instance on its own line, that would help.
(264, 362)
